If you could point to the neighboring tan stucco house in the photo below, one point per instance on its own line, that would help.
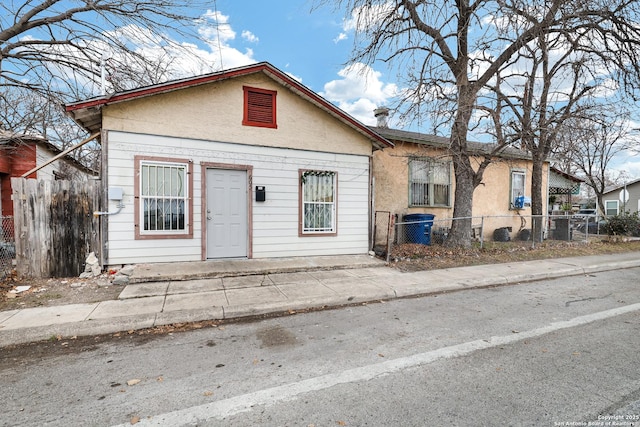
(622, 199)
(417, 176)
(20, 153)
(244, 163)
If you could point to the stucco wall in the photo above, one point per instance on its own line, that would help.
(215, 111)
(490, 199)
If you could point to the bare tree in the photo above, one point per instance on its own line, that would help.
(551, 81)
(54, 51)
(57, 46)
(449, 51)
(590, 144)
(27, 112)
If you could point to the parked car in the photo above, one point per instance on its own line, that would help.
(591, 226)
(585, 214)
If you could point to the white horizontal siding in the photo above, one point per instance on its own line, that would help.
(42, 157)
(275, 221)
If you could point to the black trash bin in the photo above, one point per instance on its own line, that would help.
(524, 235)
(418, 228)
(502, 234)
(563, 229)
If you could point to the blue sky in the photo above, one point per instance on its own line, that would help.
(311, 46)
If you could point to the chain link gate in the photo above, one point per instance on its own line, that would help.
(7, 246)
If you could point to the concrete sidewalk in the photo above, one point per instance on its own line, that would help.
(231, 290)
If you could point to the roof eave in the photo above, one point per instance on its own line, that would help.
(88, 113)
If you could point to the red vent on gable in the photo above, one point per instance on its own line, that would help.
(259, 107)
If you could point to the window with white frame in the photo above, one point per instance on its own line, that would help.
(318, 202)
(518, 179)
(429, 182)
(611, 207)
(163, 195)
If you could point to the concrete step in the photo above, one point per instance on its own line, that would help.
(160, 272)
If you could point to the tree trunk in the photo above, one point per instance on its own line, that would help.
(466, 179)
(600, 204)
(460, 234)
(537, 202)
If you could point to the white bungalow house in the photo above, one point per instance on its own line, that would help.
(243, 163)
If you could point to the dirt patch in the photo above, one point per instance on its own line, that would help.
(55, 291)
(415, 257)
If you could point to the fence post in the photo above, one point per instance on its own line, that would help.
(392, 219)
(482, 232)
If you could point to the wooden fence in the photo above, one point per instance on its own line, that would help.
(54, 226)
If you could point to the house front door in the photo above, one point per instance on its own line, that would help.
(226, 209)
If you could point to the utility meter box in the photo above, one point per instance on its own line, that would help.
(115, 193)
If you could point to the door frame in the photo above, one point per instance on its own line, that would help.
(203, 197)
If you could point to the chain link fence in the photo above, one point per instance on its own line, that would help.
(7, 246)
(426, 229)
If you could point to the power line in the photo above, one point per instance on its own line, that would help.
(215, 9)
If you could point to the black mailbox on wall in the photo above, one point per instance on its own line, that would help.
(261, 193)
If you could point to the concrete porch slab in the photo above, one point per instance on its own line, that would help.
(242, 267)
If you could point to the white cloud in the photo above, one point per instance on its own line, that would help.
(215, 29)
(360, 91)
(627, 161)
(341, 36)
(630, 166)
(250, 37)
(364, 17)
(214, 26)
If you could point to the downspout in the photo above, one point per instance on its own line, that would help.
(372, 204)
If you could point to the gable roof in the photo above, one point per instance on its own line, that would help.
(88, 113)
(563, 183)
(620, 187)
(9, 138)
(566, 175)
(434, 141)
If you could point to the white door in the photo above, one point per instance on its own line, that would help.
(227, 219)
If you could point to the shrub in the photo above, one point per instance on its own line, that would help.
(625, 224)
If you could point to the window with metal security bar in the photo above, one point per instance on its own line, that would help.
(318, 204)
(163, 197)
(517, 186)
(259, 107)
(429, 182)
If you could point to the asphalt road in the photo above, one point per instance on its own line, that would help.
(551, 353)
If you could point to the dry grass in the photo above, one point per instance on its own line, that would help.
(415, 257)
